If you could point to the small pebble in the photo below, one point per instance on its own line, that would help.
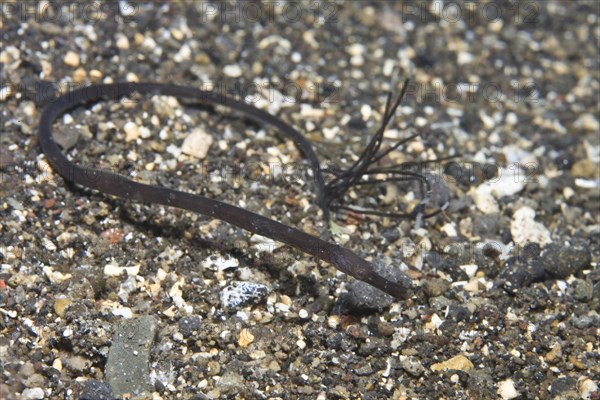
(464, 58)
(96, 390)
(484, 200)
(470, 269)
(122, 42)
(71, 59)
(459, 363)
(77, 363)
(362, 297)
(221, 263)
(189, 324)
(245, 338)
(365, 112)
(356, 49)
(184, 54)
(506, 389)
(554, 355)
(124, 312)
(57, 364)
(507, 183)
(232, 71)
(115, 270)
(33, 393)
(583, 290)
(472, 286)
(197, 143)
(435, 287)
(413, 366)
(524, 229)
(240, 293)
(131, 77)
(60, 305)
(96, 76)
(333, 321)
(586, 169)
(132, 131)
(587, 387)
(588, 122)
(511, 119)
(79, 75)
(561, 261)
(6, 92)
(148, 43)
(331, 133)
(518, 272)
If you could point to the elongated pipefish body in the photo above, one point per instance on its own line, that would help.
(118, 185)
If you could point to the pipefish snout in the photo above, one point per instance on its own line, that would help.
(328, 195)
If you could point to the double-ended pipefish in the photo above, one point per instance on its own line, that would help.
(329, 194)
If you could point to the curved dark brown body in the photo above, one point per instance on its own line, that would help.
(117, 185)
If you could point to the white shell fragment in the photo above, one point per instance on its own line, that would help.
(197, 143)
(524, 228)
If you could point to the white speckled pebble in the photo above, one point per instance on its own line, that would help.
(524, 228)
(33, 393)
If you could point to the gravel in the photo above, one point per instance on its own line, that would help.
(505, 279)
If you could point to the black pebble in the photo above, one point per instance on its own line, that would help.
(518, 272)
(189, 324)
(96, 390)
(561, 261)
(362, 297)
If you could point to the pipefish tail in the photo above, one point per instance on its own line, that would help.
(117, 185)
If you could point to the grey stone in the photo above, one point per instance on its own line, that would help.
(435, 287)
(486, 225)
(440, 303)
(27, 369)
(35, 380)
(413, 367)
(364, 369)
(582, 322)
(481, 385)
(583, 290)
(231, 383)
(127, 368)
(67, 137)
(564, 388)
